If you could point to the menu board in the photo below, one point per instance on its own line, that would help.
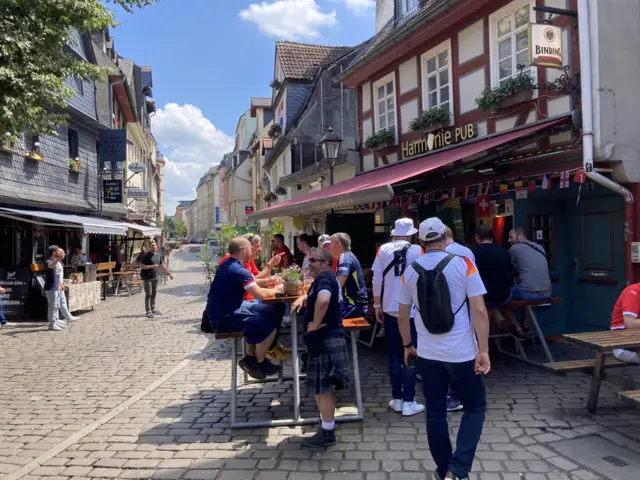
(16, 284)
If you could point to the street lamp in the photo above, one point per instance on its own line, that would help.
(331, 144)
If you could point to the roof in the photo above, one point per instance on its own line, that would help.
(300, 61)
(261, 102)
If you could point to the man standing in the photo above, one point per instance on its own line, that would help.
(391, 261)
(530, 260)
(64, 305)
(278, 247)
(441, 285)
(328, 361)
(350, 276)
(52, 287)
(455, 248)
(305, 243)
(228, 313)
(149, 265)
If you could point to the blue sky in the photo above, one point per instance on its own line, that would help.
(210, 56)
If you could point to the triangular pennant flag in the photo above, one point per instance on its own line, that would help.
(564, 179)
(504, 189)
(518, 185)
(531, 186)
(580, 176)
(546, 181)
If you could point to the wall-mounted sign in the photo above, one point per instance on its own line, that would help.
(137, 193)
(112, 191)
(113, 146)
(217, 218)
(248, 209)
(545, 45)
(434, 141)
(137, 216)
(137, 167)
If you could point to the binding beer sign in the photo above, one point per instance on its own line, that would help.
(545, 45)
(440, 139)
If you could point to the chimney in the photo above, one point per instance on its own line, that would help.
(385, 10)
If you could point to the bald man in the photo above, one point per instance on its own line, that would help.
(227, 313)
(455, 248)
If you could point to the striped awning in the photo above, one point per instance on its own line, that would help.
(94, 225)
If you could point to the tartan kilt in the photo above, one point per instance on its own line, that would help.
(331, 369)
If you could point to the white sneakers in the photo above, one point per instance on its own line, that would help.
(55, 327)
(406, 408)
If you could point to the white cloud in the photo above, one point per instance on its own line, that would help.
(360, 6)
(290, 19)
(191, 144)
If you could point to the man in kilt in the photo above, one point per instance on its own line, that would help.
(328, 364)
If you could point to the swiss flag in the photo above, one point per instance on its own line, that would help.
(580, 176)
(483, 206)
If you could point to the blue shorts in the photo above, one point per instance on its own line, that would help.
(353, 311)
(256, 320)
(518, 294)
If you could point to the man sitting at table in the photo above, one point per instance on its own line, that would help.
(530, 261)
(350, 276)
(328, 363)
(227, 313)
(626, 314)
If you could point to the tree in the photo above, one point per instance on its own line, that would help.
(35, 60)
(181, 228)
(224, 235)
(169, 225)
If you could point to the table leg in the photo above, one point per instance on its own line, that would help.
(543, 341)
(596, 380)
(234, 378)
(104, 289)
(296, 366)
(356, 375)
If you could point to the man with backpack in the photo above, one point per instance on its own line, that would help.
(390, 263)
(445, 289)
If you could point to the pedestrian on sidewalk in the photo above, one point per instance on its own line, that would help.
(451, 350)
(62, 296)
(151, 262)
(328, 360)
(390, 263)
(3, 319)
(52, 287)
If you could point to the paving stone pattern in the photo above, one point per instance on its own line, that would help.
(54, 385)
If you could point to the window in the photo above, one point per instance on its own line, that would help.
(408, 7)
(436, 68)
(540, 230)
(385, 104)
(72, 137)
(78, 85)
(510, 40)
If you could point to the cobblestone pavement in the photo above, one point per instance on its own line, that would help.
(120, 396)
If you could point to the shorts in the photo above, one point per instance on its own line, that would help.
(353, 311)
(255, 320)
(502, 304)
(518, 294)
(329, 370)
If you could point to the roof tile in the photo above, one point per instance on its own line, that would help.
(300, 61)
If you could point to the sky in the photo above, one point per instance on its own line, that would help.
(209, 57)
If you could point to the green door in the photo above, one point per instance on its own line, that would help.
(595, 265)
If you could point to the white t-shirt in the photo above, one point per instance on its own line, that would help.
(391, 283)
(460, 344)
(461, 250)
(60, 272)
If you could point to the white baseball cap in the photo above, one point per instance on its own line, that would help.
(323, 239)
(431, 229)
(404, 228)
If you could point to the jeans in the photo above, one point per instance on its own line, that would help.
(256, 320)
(518, 294)
(436, 377)
(403, 378)
(150, 289)
(3, 320)
(57, 302)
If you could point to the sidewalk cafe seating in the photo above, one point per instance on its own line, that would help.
(104, 274)
(132, 281)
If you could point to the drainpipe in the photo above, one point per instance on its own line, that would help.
(587, 136)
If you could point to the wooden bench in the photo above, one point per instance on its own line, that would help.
(585, 366)
(632, 396)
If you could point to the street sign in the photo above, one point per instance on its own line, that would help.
(113, 146)
(112, 191)
(217, 215)
(137, 167)
(137, 193)
(248, 209)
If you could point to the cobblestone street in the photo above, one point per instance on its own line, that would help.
(118, 395)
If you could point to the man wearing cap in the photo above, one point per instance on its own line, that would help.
(459, 357)
(350, 276)
(324, 241)
(391, 261)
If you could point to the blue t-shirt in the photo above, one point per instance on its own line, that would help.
(355, 290)
(227, 290)
(51, 279)
(326, 281)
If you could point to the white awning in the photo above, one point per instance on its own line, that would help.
(88, 224)
(145, 230)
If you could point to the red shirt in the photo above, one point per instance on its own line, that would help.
(628, 303)
(251, 266)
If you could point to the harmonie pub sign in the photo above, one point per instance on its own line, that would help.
(441, 139)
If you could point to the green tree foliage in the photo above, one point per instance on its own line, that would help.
(224, 236)
(35, 59)
(180, 228)
(169, 225)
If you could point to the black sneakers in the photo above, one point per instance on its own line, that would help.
(250, 365)
(269, 368)
(323, 438)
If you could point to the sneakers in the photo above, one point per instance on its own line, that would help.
(269, 368)
(55, 327)
(250, 365)
(62, 323)
(449, 476)
(454, 404)
(436, 475)
(396, 405)
(150, 314)
(323, 438)
(157, 312)
(72, 319)
(412, 408)
(278, 353)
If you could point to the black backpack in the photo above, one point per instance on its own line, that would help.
(399, 265)
(434, 297)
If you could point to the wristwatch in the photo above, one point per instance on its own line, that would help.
(409, 345)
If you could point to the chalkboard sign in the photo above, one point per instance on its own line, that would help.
(113, 147)
(16, 284)
(112, 190)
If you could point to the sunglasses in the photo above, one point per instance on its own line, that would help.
(314, 260)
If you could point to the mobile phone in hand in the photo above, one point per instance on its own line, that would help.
(411, 361)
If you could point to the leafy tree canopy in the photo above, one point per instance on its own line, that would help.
(180, 228)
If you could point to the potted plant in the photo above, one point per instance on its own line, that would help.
(510, 92)
(270, 197)
(74, 164)
(430, 120)
(34, 154)
(275, 84)
(380, 140)
(280, 190)
(275, 131)
(292, 277)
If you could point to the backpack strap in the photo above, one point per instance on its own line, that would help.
(439, 268)
(391, 265)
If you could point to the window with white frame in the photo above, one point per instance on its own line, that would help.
(436, 68)
(511, 36)
(385, 104)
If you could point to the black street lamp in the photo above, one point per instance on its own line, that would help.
(331, 144)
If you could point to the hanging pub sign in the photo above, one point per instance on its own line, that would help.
(546, 45)
(113, 147)
(443, 138)
(112, 191)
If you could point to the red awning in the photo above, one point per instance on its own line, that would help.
(375, 186)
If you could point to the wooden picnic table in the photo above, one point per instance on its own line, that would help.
(120, 275)
(103, 277)
(603, 343)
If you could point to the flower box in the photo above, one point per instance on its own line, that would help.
(74, 165)
(516, 98)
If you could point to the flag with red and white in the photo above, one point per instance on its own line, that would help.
(580, 176)
(546, 181)
(564, 179)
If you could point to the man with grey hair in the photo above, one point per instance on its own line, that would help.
(350, 276)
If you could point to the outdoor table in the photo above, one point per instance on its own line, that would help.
(603, 343)
(121, 275)
(103, 277)
(350, 325)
